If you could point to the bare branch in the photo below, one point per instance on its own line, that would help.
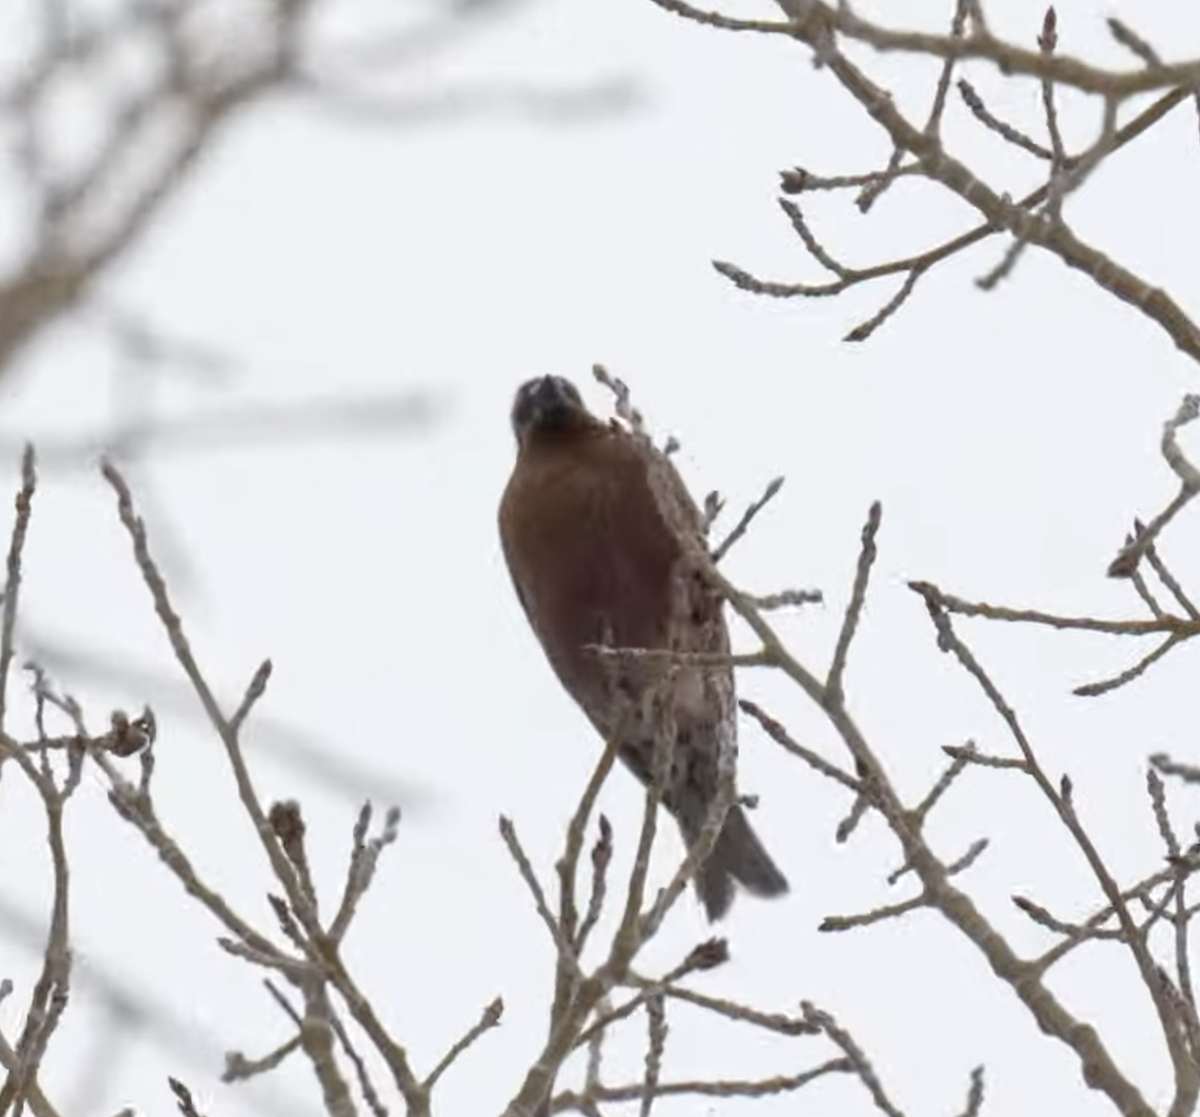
(489, 1020)
(858, 597)
(753, 510)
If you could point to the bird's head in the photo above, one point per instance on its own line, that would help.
(549, 405)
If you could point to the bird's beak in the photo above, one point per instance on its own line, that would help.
(549, 396)
(552, 406)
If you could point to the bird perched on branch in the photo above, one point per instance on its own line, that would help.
(601, 557)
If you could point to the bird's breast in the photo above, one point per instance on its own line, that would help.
(591, 555)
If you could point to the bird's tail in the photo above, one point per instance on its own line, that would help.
(738, 855)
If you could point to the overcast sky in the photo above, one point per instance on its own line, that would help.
(1012, 437)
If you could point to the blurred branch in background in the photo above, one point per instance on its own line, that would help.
(237, 425)
(290, 745)
(109, 111)
(129, 1012)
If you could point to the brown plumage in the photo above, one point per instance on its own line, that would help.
(595, 561)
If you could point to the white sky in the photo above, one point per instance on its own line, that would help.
(1011, 437)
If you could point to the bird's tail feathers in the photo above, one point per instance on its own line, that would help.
(738, 855)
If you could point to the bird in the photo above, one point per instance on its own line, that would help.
(598, 559)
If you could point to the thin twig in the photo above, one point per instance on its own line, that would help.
(858, 597)
(486, 1022)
